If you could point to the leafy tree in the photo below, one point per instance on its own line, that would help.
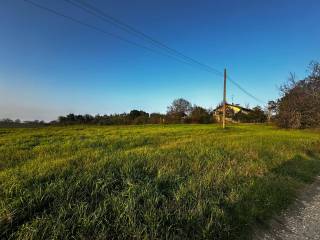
(299, 105)
(180, 106)
(138, 117)
(6, 120)
(136, 113)
(199, 115)
(179, 109)
(156, 118)
(258, 115)
(141, 120)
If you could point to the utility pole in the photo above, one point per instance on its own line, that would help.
(224, 99)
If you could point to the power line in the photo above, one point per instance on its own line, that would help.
(103, 31)
(245, 91)
(91, 9)
(128, 28)
(170, 52)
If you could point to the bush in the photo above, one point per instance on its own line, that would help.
(299, 106)
(199, 115)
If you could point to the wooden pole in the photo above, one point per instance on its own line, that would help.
(224, 99)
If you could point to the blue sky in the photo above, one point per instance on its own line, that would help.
(50, 66)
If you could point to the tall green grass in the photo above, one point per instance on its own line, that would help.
(149, 182)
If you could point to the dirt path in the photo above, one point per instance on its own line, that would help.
(301, 221)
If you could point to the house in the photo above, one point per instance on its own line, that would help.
(231, 110)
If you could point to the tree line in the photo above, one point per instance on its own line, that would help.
(180, 111)
(297, 107)
(7, 122)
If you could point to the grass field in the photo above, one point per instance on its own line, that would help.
(149, 182)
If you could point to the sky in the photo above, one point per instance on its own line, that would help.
(51, 66)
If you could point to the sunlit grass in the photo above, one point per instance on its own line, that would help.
(152, 182)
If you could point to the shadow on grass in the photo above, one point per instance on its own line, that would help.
(270, 194)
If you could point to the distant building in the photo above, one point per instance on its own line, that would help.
(231, 110)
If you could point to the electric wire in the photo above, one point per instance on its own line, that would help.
(170, 52)
(103, 31)
(128, 28)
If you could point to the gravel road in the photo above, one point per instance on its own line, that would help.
(301, 221)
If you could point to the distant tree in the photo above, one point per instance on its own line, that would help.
(62, 119)
(156, 118)
(6, 120)
(241, 117)
(178, 110)
(199, 115)
(175, 117)
(87, 118)
(120, 119)
(71, 118)
(299, 105)
(141, 120)
(136, 113)
(258, 115)
(181, 106)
